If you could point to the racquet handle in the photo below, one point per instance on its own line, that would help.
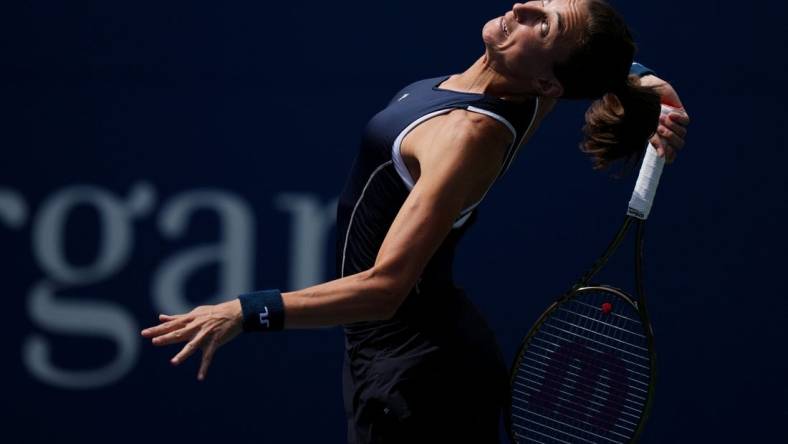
(648, 180)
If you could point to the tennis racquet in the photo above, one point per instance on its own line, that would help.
(585, 373)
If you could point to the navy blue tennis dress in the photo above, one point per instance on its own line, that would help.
(434, 372)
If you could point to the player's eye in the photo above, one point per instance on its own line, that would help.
(545, 23)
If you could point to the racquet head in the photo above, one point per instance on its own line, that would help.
(585, 372)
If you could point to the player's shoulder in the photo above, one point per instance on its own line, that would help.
(476, 128)
(470, 142)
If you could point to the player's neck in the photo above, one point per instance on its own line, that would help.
(482, 78)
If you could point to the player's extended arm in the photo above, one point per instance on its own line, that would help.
(463, 159)
(457, 168)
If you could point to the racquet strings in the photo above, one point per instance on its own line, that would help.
(585, 375)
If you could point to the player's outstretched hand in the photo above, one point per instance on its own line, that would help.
(672, 129)
(207, 327)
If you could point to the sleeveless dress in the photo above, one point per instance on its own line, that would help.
(434, 372)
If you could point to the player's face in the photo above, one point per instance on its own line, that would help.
(527, 41)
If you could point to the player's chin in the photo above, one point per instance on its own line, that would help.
(491, 33)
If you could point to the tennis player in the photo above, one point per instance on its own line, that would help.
(421, 365)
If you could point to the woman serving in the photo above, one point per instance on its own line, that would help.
(421, 365)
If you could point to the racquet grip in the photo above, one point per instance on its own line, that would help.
(648, 180)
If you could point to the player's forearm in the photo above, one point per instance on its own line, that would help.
(364, 296)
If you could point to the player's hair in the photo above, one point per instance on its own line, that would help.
(624, 114)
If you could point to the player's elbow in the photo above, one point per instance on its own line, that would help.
(389, 293)
(392, 297)
(390, 307)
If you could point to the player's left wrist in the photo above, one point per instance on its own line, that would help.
(262, 311)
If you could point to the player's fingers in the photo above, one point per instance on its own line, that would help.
(184, 333)
(678, 129)
(161, 329)
(657, 144)
(207, 358)
(189, 348)
(674, 140)
(680, 117)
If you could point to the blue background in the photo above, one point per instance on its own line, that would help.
(257, 99)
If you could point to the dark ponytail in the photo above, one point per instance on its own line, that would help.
(625, 114)
(619, 124)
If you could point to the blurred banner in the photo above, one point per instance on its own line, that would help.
(160, 156)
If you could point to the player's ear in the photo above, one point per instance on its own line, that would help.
(548, 87)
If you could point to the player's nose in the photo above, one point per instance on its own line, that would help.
(524, 10)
